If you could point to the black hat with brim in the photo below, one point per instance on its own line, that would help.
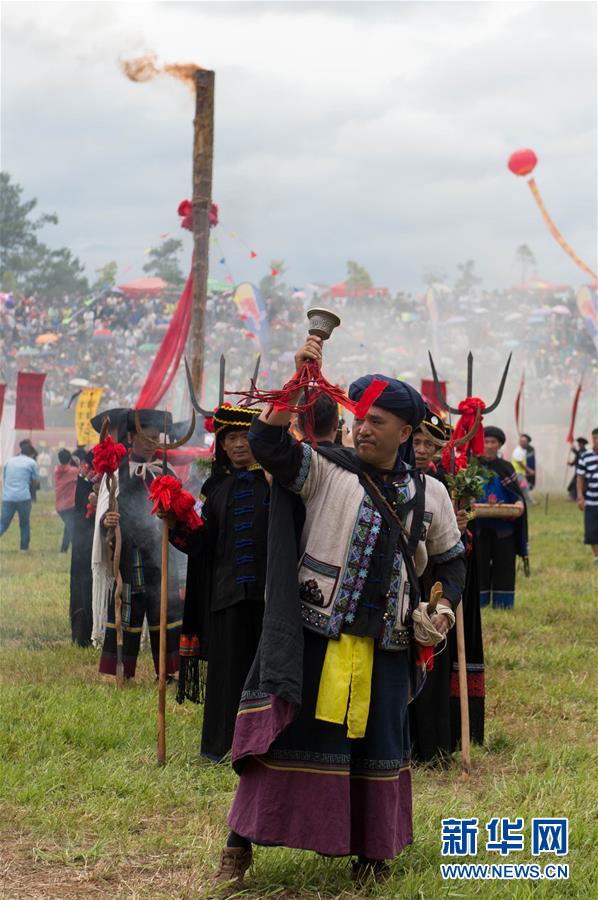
(492, 431)
(150, 418)
(118, 420)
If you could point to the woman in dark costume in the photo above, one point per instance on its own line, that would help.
(224, 603)
(435, 714)
(500, 541)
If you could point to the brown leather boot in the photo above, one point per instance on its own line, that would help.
(234, 862)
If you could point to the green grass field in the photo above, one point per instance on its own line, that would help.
(85, 812)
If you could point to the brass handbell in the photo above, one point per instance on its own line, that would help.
(322, 322)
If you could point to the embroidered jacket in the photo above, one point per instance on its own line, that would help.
(340, 534)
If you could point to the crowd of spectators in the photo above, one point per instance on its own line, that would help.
(111, 341)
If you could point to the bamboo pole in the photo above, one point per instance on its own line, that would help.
(203, 153)
(118, 585)
(462, 670)
(162, 650)
(463, 697)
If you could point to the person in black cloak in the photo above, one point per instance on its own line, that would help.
(140, 563)
(322, 739)
(224, 603)
(500, 541)
(435, 714)
(88, 482)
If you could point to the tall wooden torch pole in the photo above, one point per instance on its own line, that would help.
(203, 153)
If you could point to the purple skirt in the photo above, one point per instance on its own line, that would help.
(307, 785)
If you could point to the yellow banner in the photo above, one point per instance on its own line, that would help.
(87, 407)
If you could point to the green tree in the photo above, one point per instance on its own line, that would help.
(106, 276)
(433, 275)
(358, 278)
(26, 263)
(468, 278)
(164, 262)
(271, 284)
(526, 260)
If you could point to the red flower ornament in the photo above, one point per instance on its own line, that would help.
(167, 493)
(107, 456)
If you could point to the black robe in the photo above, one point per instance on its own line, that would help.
(435, 714)
(276, 676)
(224, 604)
(81, 580)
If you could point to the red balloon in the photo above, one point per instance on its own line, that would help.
(522, 162)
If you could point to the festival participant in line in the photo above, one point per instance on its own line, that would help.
(325, 421)
(500, 541)
(224, 603)
(523, 461)
(86, 495)
(587, 493)
(140, 563)
(575, 453)
(322, 735)
(435, 714)
(65, 485)
(20, 481)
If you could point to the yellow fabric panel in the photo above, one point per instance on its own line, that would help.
(346, 683)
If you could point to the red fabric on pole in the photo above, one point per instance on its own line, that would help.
(2, 392)
(29, 413)
(571, 436)
(169, 354)
(468, 409)
(518, 400)
(428, 392)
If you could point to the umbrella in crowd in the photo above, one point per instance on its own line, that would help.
(42, 339)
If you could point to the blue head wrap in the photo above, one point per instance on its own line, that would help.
(399, 398)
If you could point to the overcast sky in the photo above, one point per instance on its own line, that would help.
(370, 131)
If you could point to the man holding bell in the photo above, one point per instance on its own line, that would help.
(322, 735)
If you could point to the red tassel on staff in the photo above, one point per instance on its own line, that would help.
(571, 435)
(310, 380)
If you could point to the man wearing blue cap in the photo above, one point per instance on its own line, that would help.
(322, 735)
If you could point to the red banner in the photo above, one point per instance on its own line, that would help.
(29, 413)
(2, 392)
(519, 404)
(428, 392)
(571, 435)
(169, 353)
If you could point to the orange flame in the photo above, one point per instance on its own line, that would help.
(144, 68)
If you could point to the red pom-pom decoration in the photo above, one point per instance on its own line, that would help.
(185, 211)
(522, 162)
(107, 456)
(167, 493)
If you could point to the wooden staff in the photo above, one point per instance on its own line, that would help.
(163, 624)
(163, 582)
(115, 550)
(162, 656)
(118, 584)
(463, 696)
